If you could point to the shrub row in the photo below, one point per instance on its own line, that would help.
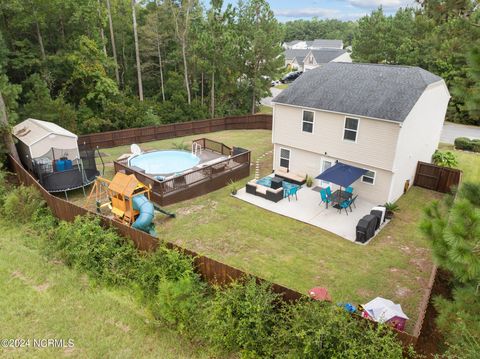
(245, 318)
(466, 144)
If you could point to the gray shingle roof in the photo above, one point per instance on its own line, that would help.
(377, 91)
(326, 55)
(337, 44)
(291, 43)
(290, 54)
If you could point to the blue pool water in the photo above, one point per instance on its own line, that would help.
(165, 162)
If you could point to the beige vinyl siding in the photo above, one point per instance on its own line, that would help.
(306, 162)
(420, 135)
(376, 140)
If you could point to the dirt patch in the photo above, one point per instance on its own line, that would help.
(364, 293)
(402, 292)
(42, 287)
(185, 211)
(39, 288)
(68, 352)
(123, 327)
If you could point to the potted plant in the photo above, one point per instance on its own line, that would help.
(233, 187)
(309, 181)
(390, 209)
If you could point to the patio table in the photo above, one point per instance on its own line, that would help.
(276, 182)
(339, 196)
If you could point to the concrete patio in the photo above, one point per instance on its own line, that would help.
(308, 209)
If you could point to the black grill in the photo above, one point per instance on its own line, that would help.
(366, 228)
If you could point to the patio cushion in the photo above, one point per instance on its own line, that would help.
(279, 189)
(262, 189)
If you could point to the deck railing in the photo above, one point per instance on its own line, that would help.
(198, 181)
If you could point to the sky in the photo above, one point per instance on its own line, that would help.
(286, 10)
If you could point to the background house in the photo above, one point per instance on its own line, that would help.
(313, 45)
(379, 117)
(316, 58)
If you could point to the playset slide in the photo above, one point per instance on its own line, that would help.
(144, 221)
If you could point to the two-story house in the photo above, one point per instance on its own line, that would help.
(381, 118)
(317, 58)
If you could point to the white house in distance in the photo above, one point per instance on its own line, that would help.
(305, 60)
(381, 118)
(313, 45)
(307, 55)
(317, 58)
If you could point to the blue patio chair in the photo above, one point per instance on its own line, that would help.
(325, 197)
(349, 190)
(293, 192)
(344, 205)
(352, 201)
(329, 191)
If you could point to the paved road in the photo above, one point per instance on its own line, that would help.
(452, 130)
(267, 101)
(449, 133)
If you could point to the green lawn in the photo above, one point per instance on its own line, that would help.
(468, 162)
(282, 86)
(265, 110)
(396, 265)
(42, 299)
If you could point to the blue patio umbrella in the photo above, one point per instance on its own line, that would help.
(342, 174)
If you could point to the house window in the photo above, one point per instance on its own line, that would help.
(369, 177)
(351, 129)
(284, 158)
(307, 122)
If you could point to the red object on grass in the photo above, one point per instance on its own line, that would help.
(320, 293)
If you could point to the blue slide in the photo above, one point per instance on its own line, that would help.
(144, 221)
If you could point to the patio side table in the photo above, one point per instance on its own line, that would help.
(276, 183)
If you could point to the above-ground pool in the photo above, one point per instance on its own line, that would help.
(164, 162)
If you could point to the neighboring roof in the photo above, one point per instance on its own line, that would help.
(31, 131)
(342, 174)
(377, 91)
(291, 43)
(324, 56)
(382, 310)
(290, 54)
(336, 44)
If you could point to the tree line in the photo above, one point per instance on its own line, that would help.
(96, 65)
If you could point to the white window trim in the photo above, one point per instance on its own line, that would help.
(344, 128)
(280, 157)
(374, 178)
(313, 123)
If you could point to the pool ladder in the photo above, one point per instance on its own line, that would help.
(196, 148)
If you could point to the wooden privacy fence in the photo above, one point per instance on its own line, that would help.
(162, 132)
(436, 178)
(210, 270)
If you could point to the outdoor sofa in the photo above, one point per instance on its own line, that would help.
(271, 194)
(295, 178)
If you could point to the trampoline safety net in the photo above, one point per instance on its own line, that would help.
(61, 170)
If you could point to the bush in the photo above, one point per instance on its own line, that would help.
(445, 159)
(163, 264)
(466, 144)
(100, 252)
(21, 203)
(241, 318)
(178, 302)
(321, 330)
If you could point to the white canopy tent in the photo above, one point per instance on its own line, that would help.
(36, 139)
(382, 310)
